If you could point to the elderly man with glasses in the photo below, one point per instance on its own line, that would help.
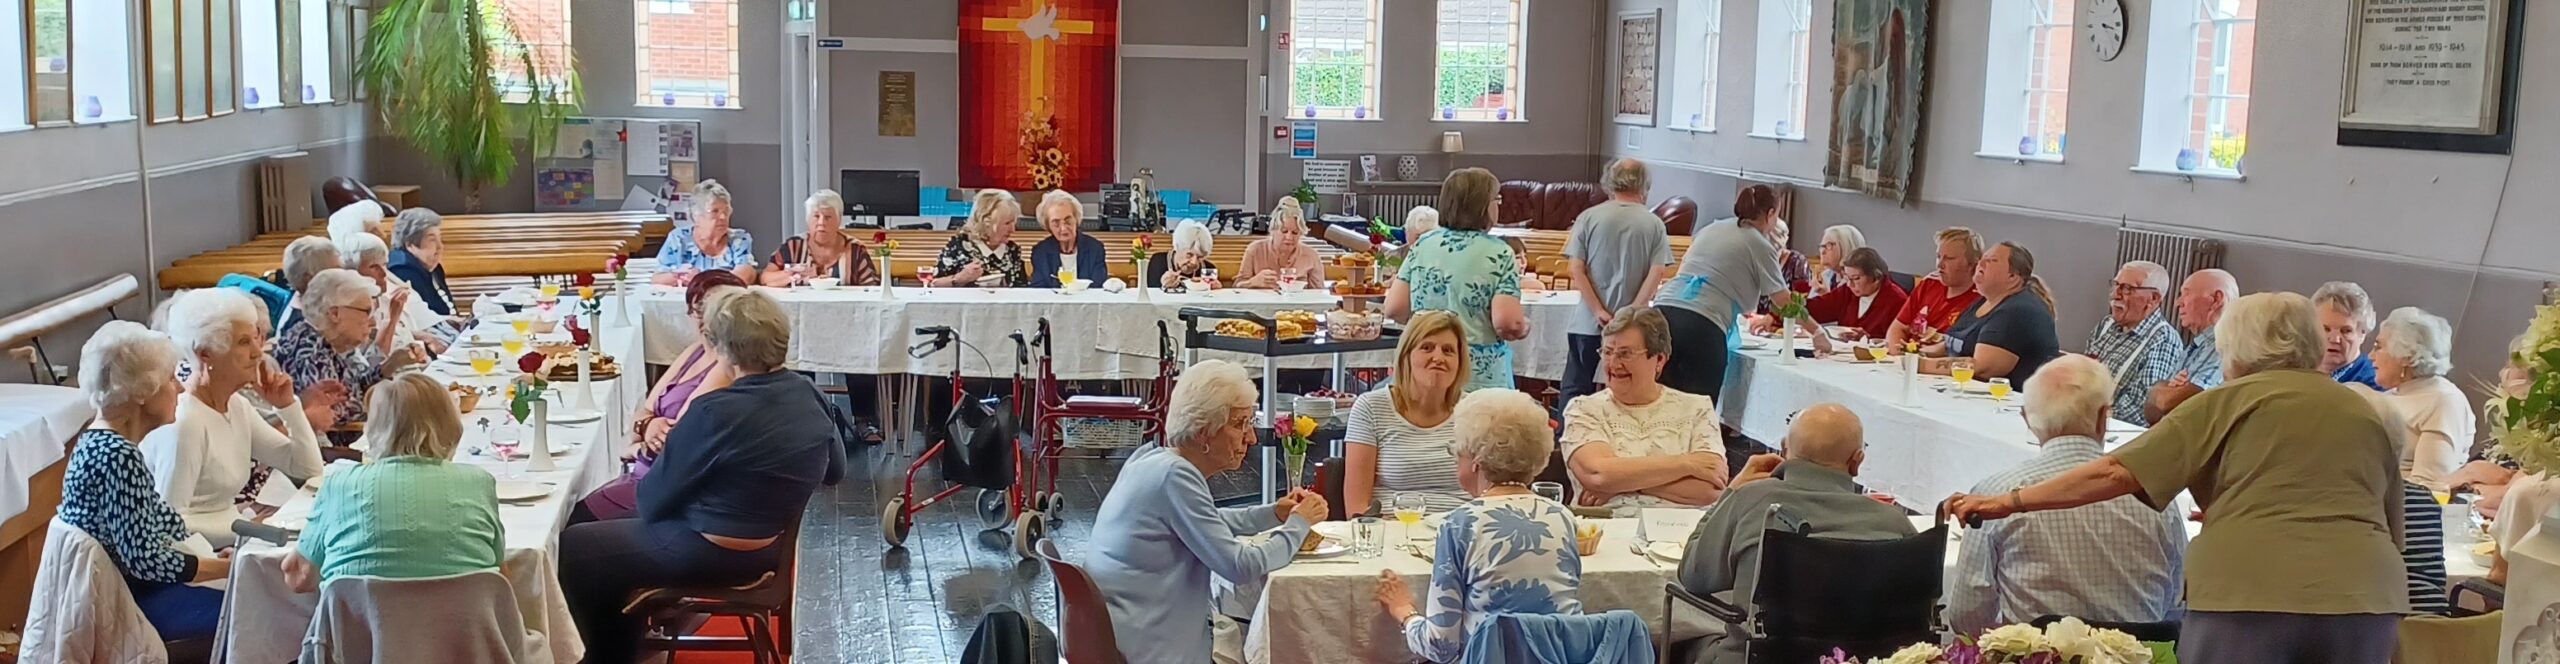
(2135, 340)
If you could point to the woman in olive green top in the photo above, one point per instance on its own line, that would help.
(2299, 479)
(411, 513)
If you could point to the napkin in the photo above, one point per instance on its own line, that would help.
(486, 306)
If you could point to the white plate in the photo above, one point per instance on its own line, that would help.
(1667, 551)
(1337, 540)
(571, 417)
(511, 491)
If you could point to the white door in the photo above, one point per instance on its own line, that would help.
(804, 137)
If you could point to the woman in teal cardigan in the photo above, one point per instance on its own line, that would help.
(411, 513)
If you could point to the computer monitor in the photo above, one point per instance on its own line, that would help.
(880, 194)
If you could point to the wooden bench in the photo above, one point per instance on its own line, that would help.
(42, 415)
(496, 245)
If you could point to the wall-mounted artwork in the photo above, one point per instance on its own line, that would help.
(1880, 60)
(1639, 52)
(1039, 93)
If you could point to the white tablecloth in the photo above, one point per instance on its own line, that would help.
(36, 421)
(264, 620)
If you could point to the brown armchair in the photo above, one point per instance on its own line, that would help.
(1548, 205)
(1679, 214)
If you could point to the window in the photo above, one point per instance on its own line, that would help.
(261, 54)
(313, 41)
(82, 68)
(13, 65)
(1480, 60)
(190, 45)
(1785, 49)
(2196, 99)
(688, 58)
(1333, 59)
(2026, 93)
(541, 36)
(1700, 26)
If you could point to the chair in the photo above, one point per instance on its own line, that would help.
(1329, 485)
(1679, 214)
(1909, 282)
(2437, 640)
(1814, 593)
(762, 606)
(1084, 618)
(372, 619)
(2492, 596)
(2165, 631)
(1613, 637)
(83, 612)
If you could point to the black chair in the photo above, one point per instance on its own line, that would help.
(763, 607)
(1814, 594)
(2492, 596)
(1329, 484)
(1908, 281)
(2165, 631)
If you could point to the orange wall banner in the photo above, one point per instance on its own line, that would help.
(1039, 90)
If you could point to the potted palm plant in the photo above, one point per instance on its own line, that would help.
(435, 70)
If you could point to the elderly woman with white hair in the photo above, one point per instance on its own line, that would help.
(304, 258)
(204, 462)
(2411, 355)
(1189, 259)
(983, 252)
(2299, 480)
(335, 339)
(708, 244)
(1284, 255)
(1507, 551)
(1064, 217)
(826, 252)
(2346, 318)
(1160, 534)
(417, 258)
(395, 302)
(129, 374)
(1831, 262)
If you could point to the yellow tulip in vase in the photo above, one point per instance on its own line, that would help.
(1295, 437)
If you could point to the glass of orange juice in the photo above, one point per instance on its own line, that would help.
(514, 343)
(523, 324)
(550, 290)
(1962, 370)
(1999, 388)
(483, 362)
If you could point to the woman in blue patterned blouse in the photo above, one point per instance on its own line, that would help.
(1507, 551)
(1467, 271)
(131, 375)
(335, 339)
(708, 244)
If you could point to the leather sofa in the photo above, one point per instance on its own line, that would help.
(1554, 205)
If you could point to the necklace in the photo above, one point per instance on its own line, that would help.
(1515, 488)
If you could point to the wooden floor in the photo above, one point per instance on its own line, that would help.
(861, 601)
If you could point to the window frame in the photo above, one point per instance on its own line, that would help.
(643, 96)
(18, 113)
(2021, 32)
(564, 89)
(1516, 71)
(204, 44)
(1694, 99)
(274, 87)
(1796, 37)
(1373, 67)
(2180, 87)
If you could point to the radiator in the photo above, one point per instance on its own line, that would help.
(1393, 206)
(2182, 254)
(284, 193)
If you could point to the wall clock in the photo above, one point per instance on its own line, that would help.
(2105, 26)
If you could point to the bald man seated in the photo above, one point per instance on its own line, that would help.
(1814, 483)
(2201, 299)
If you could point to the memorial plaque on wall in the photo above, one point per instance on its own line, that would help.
(898, 103)
(2430, 74)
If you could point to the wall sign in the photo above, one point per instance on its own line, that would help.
(898, 103)
(2430, 74)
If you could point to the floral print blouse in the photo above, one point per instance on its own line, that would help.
(310, 361)
(1461, 272)
(107, 492)
(963, 250)
(1497, 554)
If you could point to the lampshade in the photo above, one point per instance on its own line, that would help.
(1453, 142)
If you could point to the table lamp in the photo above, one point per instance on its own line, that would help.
(1452, 143)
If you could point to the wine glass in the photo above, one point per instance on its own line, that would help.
(1999, 388)
(799, 274)
(523, 324)
(1962, 369)
(924, 275)
(550, 290)
(483, 362)
(1549, 490)
(513, 343)
(1408, 507)
(1066, 274)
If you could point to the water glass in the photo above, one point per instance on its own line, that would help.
(1368, 537)
(1550, 490)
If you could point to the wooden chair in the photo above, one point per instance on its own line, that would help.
(1084, 617)
(763, 607)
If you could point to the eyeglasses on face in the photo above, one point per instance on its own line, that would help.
(2120, 287)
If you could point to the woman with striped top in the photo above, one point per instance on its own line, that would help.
(1399, 435)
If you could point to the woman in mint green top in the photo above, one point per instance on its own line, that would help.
(1464, 270)
(409, 513)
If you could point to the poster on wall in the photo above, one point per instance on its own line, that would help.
(1039, 92)
(683, 140)
(1639, 56)
(1302, 139)
(564, 187)
(2429, 74)
(1880, 56)
(898, 104)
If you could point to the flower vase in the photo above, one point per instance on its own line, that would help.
(1787, 343)
(538, 451)
(1296, 465)
(586, 388)
(621, 304)
(888, 291)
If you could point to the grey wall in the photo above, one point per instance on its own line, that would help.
(2464, 236)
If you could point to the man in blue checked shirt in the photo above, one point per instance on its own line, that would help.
(2200, 303)
(2135, 340)
(2115, 561)
(709, 244)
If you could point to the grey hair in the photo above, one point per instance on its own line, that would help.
(986, 210)
(1194, 237)
(361, 249)
(749, 329)
(1420, 220)
(1202, 400)
(2347, 297)
(2268, 331)
(1648, 323)
(414, 225)
(823, 199)
(338, 287)
(201, 321)
(1626, 176)
(306, 257)
(705, 194)
(2069, 395)
(413, 415)
(1288, 211)
(1055, 198)
(2422, 339)
(126, 363)
(1850, 238)
(2154, 275)
(1506, 432)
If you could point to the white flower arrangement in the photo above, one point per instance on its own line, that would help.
(2529, 426)
(2067, 641)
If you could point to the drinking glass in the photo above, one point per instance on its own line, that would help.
(799, 274)
(1409, 508)
(1369, 537)
(483, 362)
(924, 276)
(1066, 274)
(1962, 370)
(550, 290)
(1550, 490)
(514, 343)
(523, 324)
(1999, 388)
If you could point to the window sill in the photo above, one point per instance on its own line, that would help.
(1513, 120)
(1799, 138)
(1373, 118)
(1693, 130)
(2021, 158)
(261, 107)
(104, 121)
(692, 107)
(2234, 176)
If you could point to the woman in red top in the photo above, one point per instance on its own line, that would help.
(1936, 301)
(1865, 304)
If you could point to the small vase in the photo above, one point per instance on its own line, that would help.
(586, 386)
(538, 451)
(887, 290)
(1409, 168)
(621, 304)
(1296, 466)
(1787, 343)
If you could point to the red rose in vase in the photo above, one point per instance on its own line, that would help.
(579, 336)
(531, 363)
(585, 280)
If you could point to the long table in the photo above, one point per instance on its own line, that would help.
(264, 620)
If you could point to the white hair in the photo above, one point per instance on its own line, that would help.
(2268, 331)
(1193, 237)
(823, 199)
(414, 225)
(2422, 339)
(2154, 275)
(1420, 220)
(125, 363)
(2348, 298)
(1849, 237)
(201, 321)
(987, 210)
(1202, 400)
(1505, 431)
(1056, 198)
(307, 256)
(336, 288)
(2068, 395)
(1288, 211)
(357, 218)
(1625, 176)
(362, 249)
(705, 193)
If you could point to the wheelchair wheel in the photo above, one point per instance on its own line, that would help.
(1053, 505)
(893, 522)
(1028, 530)
(992, 508)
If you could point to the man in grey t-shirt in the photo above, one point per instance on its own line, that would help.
(1620, 253)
